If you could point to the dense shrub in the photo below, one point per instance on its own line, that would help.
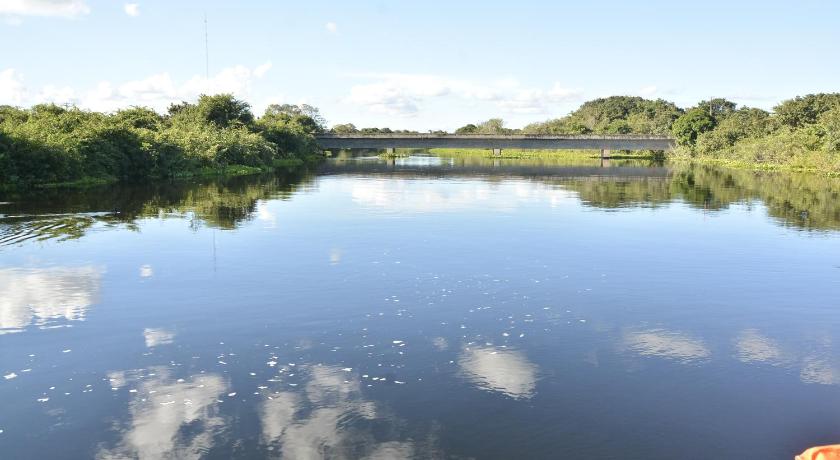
(613, 115)
(48, 143)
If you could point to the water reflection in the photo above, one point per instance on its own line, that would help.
(46, 297)
(752, 347)
(579, 286)
(815, 362)
(800, 200)
(411, 196)
(157, 337)
(169, 418)
(498, 369)
(69, 214)
(667, 344)
(325, 419)
(17, 229)
(819, 370)
(815, 365)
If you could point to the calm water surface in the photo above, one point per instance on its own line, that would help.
(424, 308)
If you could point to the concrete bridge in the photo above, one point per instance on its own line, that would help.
(389, 142)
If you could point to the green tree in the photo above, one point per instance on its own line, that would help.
(688, 127)
(830, 122)
(492, 126)
(223, 110)
(347, 128)
(743, 123)
(467, 129)
(614, 115)
(805, 110)
(139, 118)
(298, 110)
(718, 108)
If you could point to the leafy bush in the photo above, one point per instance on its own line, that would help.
(805, 110)
(50, 144)
(688, 127)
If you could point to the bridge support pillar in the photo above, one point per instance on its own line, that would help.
(390, 150)
(605, 154)
(497, 152)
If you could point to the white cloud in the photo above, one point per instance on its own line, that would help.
(404, 94)
(146, 271)
(61, 8)
(132, 9)
(57, 94)
(12, 89)
(156, 91)
(331, 27)
(261, 69)
(648, 91)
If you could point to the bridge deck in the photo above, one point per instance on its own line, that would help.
(479, 141)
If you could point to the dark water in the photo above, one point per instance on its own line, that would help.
(424, 308)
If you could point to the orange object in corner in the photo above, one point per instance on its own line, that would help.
(831, 452)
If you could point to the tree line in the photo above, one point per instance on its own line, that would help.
(52, 144)
(801, 132)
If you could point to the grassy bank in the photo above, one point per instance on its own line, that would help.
(807, 167)
(790, 158)
(539, 154)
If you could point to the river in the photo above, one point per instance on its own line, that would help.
(424, 307)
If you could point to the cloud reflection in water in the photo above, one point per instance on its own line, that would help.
(667, 344)
(500, 370)
(413, 196)
(318, 422)
(170, 419)
(46, 296)
(751, 346)
(156, 337)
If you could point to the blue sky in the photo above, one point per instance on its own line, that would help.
(419, 65)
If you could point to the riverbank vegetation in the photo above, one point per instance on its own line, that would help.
(562, 154)
(52, 145)
(801, 133)
(49, 144)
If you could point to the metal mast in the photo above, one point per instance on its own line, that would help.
(206, 50)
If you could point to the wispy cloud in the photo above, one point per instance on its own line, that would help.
(61, 8)
(12, 89)
(648, 91)
(262, 69)
(132, 9)
(156, 91)
(404, 94)
(331, 27)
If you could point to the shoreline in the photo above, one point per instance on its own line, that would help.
(207, 172)
(649, 156)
